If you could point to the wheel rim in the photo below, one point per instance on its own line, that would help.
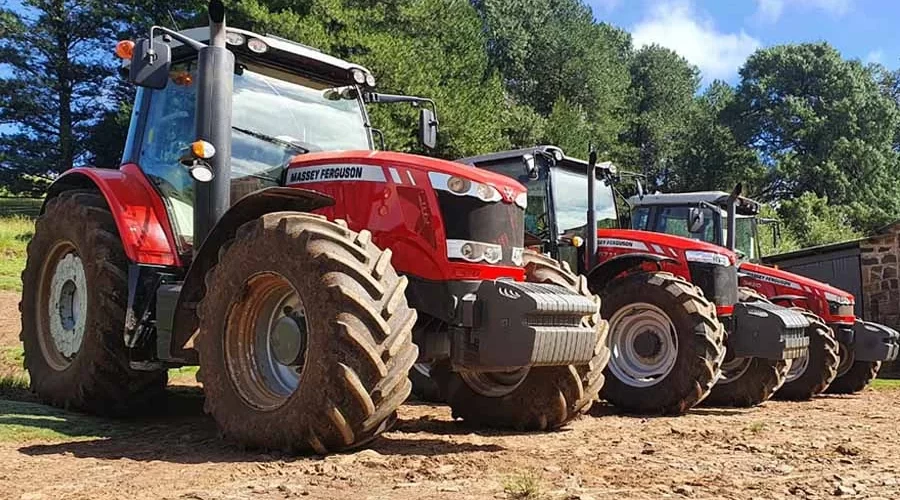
(643, 343)
(63, 305)
(265, 355)
(423, 369)
(798, 367)
(494, 384)
(847, 358)
(733, 369)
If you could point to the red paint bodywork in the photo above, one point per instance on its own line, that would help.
(667, 245)
(402, 211)
(785, 283)
(138, 210)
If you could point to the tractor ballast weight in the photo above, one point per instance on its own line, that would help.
(282, 254)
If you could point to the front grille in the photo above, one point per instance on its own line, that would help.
(468, 218)
(719, 283)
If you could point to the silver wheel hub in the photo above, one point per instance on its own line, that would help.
(280, 344)
(798, 367)
(494, 384)
(644, 344)
(68, 305)
(733, 369)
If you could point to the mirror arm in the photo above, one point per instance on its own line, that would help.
(190, 42)
(376, 98)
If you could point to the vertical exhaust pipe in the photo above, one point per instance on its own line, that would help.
(215, 85)
(730, 236)
(590, 253)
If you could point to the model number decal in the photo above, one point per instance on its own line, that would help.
(770, 279)
(615, 242)
(332, 173)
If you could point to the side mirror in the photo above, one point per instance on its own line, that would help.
(695, 220)
(640, 189)
(531, 170)
(150, 64)
(428, 128)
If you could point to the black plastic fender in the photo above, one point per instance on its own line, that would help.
(184, 321)
(602, 274)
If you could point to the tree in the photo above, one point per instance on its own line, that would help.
(706, 155)
(662, 93)
(54, 90)
(822, 125)
(548, 50)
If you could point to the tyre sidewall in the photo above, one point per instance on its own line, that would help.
(688, 370)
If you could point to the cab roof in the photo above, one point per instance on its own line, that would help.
(289, 56)
(745, 206)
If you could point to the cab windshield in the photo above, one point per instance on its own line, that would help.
(571, 199)
(745, 241)
(276, 115)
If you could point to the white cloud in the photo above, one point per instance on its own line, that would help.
(875, 56)
(676, 26)
(770, 10)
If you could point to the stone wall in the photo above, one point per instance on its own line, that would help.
(881, 282)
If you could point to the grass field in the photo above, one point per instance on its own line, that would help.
(16, 227)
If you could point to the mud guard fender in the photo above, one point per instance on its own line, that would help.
(603, 273)
(136, 206)
(250, 207)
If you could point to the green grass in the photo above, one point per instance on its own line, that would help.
(523, 486)
(15, 232)
(22, 421)
(886, 384)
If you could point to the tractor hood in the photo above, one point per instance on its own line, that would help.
(659, 243)
(802, 284)
(394, 165)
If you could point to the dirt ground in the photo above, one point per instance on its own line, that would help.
(833, 446)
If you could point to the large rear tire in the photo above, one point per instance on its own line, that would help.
(305, 336)
(75, 289)
(852, 376)
(747, 382)
(539, 398)
(666, 344)
(812, 373)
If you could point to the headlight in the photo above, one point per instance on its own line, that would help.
(358, 76)
(464, 187)
(706, 257)
(370, 80)
(522, 200)
(517, 256)
(844, 301)
(474, 251)
(257, 45)
(234, 38)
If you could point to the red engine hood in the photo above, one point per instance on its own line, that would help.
(802, 283)
(509, 188)
(665, 240)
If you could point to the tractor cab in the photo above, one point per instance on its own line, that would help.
(287, 99)
(701, 215)
(557, 212)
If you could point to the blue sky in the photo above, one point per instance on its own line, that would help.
(718, 35)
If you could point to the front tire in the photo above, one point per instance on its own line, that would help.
(747, 382)
(537, 398)
(73, 312)
(852, 376)
(305, 336)
(666, 344)
(812, 373)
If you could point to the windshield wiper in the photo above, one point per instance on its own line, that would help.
(273, 140)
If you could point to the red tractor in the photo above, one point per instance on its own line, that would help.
(844, 361)
(672, 302)
(305, 283)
